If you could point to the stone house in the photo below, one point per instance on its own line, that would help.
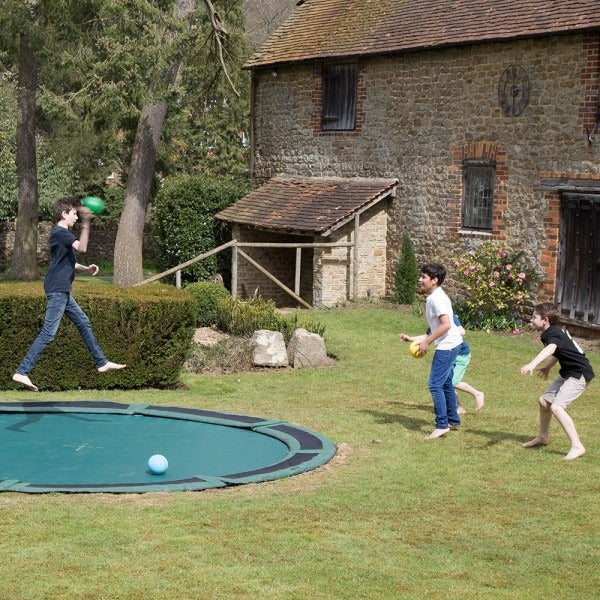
(486, 114)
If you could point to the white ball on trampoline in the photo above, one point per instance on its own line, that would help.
(158, 464)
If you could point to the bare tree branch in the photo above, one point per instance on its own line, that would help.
(219, 30)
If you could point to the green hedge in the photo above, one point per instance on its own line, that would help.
(149, 328)
(184, 223)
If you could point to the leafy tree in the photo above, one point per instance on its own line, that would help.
(109, 71)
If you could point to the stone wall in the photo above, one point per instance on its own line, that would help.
(100, 247)
(422, 113)
(336, 265)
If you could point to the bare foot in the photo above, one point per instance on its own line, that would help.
(479, 401)
(461, 410)
(575, 453)
(438, 433)
(24, 380)
(110, 366)
(537, 441)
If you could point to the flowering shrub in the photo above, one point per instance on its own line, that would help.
(496, 281)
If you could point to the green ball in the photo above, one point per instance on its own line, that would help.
(96, 205)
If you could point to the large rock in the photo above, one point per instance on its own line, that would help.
(306, 350)
(269, 349)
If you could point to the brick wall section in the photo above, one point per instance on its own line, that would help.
(422, 111)
(549, 255)
(590, 81)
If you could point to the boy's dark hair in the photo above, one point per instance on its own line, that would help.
(548, 310)
(64, 205)
(435, 270)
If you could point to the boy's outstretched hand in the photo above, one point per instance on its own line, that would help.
(530, 368)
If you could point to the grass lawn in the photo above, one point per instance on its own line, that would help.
(472, 515)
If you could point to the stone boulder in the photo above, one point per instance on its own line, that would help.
(306, 350)
(269, 349)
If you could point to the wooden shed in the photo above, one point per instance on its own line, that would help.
(315, 241)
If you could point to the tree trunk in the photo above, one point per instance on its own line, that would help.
(130, 234)
(129, 242)
(24, 260)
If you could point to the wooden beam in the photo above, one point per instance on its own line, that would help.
(188, 263)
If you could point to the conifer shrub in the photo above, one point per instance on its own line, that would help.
(149, 328)
(406, 272)
(207, 295)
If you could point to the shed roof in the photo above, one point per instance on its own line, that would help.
(320, 29)
(311, 205)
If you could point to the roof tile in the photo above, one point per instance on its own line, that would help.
(320, 29)
(312, 205)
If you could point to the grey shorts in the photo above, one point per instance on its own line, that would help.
(563, 391)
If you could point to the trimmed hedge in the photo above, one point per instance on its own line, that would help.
(149, 328)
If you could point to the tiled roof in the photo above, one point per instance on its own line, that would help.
(339, 28)
(314, 205)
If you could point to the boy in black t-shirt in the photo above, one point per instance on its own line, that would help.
(57, 285)
(574, 376)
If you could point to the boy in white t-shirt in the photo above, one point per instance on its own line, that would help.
(447, 339)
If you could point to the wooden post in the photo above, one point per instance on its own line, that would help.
(234, 271)
(298, 266)
(178, 279)
(355, 265)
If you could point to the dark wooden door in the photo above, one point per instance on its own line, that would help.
(578, 285)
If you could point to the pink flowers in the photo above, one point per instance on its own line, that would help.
(521, 276)
(509, 267)
(516, 331)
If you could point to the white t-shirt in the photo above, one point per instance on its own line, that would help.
(439, 304)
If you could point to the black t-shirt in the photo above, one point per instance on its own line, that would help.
(573, 362)
(61, 271)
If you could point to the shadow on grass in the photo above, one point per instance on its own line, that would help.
(421, 425)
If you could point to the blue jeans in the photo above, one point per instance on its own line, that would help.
(441, 388)
(59, 304)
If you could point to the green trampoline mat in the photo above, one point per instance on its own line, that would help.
(104, 446)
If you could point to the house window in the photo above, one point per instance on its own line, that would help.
(478, 194)
(339, 97)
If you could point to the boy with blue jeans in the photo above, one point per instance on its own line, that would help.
(447, 339)
(57, 285)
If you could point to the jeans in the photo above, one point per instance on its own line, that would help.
(59, 304)
(441, 388)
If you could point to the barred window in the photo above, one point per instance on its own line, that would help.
(339, 97)
(478, 194)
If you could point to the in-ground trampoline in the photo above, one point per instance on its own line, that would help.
(104, 446)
